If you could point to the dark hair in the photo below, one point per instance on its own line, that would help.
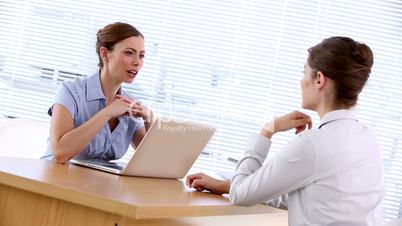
(112, 34)
(346, 62)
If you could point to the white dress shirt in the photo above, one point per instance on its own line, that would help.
(333, 175)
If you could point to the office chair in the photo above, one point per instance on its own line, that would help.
(23, 138)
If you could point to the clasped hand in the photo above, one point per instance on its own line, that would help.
(125, 106)
(295, 119)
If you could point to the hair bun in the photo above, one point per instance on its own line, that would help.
(99, 34)
(363, 55)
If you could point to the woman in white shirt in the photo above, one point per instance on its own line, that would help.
(333, 175)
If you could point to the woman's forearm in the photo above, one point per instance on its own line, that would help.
(73, 142)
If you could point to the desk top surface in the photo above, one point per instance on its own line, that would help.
(133, 197)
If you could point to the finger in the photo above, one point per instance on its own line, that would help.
(120, 97)
(301, 122)
(117, 97)
(300, 129)
(189, 180)
(136, 111)
(138, 107)
(124, 100)
(198, 184)
(310, 124)
(192, 177)
(298, 114)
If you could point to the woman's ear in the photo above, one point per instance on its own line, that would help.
(104, 54)
(320, 80)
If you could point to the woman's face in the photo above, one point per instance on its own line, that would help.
(126, 59)
(309, 95)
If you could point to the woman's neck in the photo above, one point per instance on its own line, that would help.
(322, 110)
(325, 108)
(327, 100)
(109, 86)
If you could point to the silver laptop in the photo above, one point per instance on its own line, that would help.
(168, 150)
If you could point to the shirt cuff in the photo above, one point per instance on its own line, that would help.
(259, 144)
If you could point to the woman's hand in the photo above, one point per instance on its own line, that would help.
(136, 109)
(203, 182)
(120, 106)
(139, 110)
(295, 119)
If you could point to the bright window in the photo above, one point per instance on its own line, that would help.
(235, 63)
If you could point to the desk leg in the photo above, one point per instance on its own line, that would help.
(20, 208)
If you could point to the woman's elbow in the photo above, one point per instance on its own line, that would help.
(60, 159)
(241, 202)
(59, 155)
(239, 199)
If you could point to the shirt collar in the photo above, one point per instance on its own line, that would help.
(94, 88)
(337, 115)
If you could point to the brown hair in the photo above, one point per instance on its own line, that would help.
(346, 62)
(113, 33)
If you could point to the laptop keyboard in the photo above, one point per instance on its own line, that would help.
(104, 163)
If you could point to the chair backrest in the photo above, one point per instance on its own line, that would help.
(24, 138)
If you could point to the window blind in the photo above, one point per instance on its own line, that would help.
(235, 64)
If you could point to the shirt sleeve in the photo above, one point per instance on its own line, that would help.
(139, 123)
(280, 202)
(288, 171)
(64, 97)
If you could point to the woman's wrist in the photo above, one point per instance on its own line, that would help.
(268, 130)
(106, 114)
(266, 133)
(225, 187)
(149, 117)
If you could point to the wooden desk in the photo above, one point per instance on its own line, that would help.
(39, 192)
(271, 219)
